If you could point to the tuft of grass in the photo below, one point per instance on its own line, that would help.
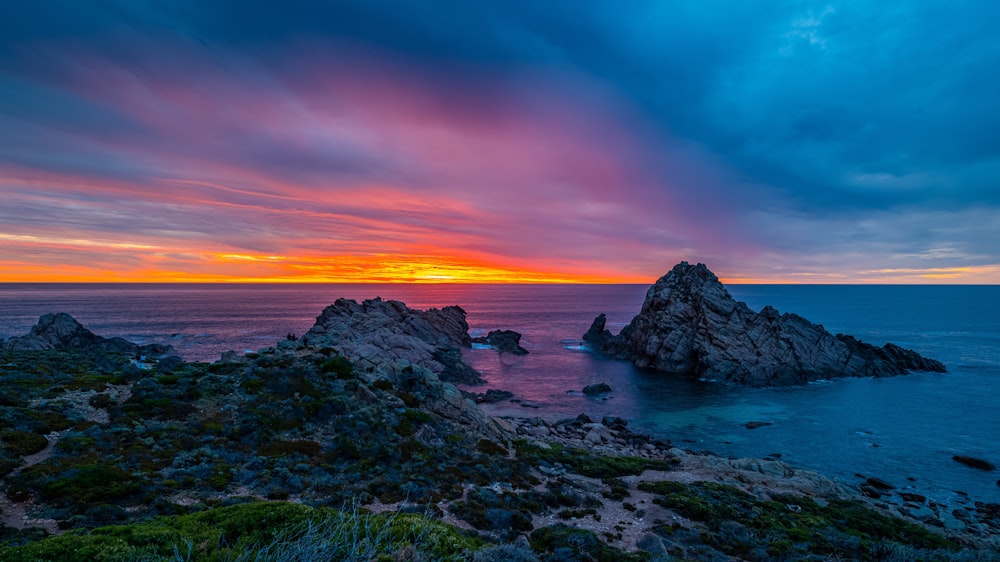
(260, 531)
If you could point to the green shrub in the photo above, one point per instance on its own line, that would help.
(100, 400)
(339, 366)
(22, 443)
(287, 448)
(588, 464)
(258, 531)
(89, 484)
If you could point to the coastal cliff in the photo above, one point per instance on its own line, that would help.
(690, 324)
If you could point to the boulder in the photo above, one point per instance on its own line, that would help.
(506, 341)
(377, 334)
(690, 324)
(597, 388)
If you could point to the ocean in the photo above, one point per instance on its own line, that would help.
(900, 429)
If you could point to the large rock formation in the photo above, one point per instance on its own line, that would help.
(690, 324)
(62, 332)
(378, 335)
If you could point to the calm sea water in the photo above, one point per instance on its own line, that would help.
(894, 428)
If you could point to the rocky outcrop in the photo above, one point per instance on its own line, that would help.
(690, 324)
(504, 341)
(388, 336)
(62, 332)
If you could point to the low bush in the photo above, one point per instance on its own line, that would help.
(22, 443)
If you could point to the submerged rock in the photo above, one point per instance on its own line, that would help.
(690, 324)
(973, 462)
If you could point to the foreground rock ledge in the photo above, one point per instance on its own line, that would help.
(690, 324)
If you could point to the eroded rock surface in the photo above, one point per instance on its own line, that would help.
(690, 324)
(386, 335)
(62, 332)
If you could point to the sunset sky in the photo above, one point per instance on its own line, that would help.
(499, 141)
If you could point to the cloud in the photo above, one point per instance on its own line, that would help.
(770, 141)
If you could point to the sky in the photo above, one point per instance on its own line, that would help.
(499, 141)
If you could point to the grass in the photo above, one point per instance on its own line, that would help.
(260, 531)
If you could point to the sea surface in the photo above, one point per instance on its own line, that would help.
(901, 429)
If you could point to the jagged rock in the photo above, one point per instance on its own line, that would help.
(690, 324)
(506, 341)
(614, 422)
(974, 462)
(376, 335)
(597, 388)
(62, 332)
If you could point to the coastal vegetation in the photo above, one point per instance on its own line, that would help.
(296, 452)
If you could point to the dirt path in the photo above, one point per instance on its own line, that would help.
(15, 514)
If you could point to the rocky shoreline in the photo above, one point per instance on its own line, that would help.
(360, 409)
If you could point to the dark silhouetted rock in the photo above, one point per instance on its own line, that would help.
(756, 424)
(389, 337)
(504, 341)
(690, 324)
(597, 388)
(974, 462)
(912, 498)
(879, 484)
(614, 422)
(62, 332)
(492, 396)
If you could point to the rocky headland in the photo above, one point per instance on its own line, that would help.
(350, 443)
(690, 324)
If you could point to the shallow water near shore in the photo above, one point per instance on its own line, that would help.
(901, 429)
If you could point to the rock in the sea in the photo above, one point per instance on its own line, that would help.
(380, 335)
(690, 324)
(492, 396)
(879, 484)
(973, 462)
(756, 424)
(596, 388)
(62, 332)
(506, 341)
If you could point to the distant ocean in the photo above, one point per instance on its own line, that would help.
(897, 429)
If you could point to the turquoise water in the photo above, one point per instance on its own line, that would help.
(901, 429)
